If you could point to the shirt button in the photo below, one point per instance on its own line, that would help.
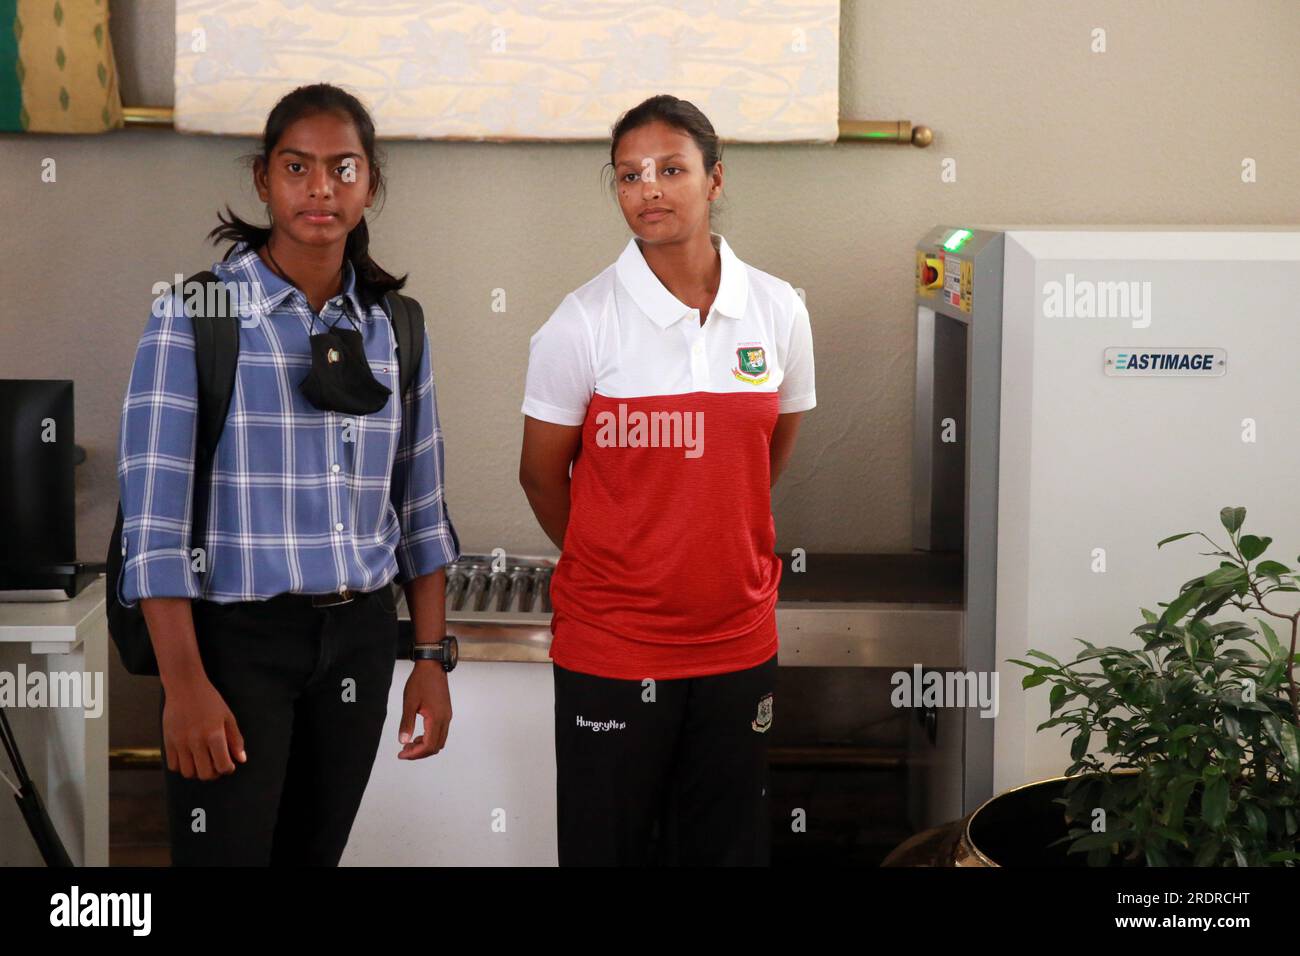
(339, 526)
(335, 469)
(698, 348)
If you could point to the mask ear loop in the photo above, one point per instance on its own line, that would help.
(347, 314)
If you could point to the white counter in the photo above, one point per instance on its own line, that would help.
(64, 748)
(488, 798)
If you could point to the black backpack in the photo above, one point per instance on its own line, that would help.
(216, 353)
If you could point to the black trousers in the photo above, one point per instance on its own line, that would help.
(309, 690)
(673, 774)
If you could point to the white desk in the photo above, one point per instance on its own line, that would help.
(65, 749)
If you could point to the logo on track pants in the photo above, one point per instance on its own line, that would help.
(764, 718)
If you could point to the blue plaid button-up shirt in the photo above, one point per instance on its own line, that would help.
(302, 500)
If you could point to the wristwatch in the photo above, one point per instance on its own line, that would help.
(444, 652)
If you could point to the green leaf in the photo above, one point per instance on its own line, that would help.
(1290, 746)
(1176, 802)
(1214, 803)
(1252, 547)
(1171, 834)
(1164, 541)
(1272, 569)
(1232, 518)
(1041, 656)
(1227, 575)
(1080, 745)
(1093, 841)
(1232, 630)
(1178, 607)
(1215, 598)
(1057, 698)
(1274, 645)
(1032, 680)
(1256, 820)
(1208, 853)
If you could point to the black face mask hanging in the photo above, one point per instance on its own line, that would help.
(340, 379)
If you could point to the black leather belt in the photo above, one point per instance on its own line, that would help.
(342, 596)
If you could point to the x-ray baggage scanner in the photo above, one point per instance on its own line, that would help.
(1081, 394)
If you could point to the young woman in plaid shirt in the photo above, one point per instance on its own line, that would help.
(277, 654)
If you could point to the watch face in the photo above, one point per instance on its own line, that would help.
(453, 653)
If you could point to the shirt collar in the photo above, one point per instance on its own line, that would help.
(664, 308)
(269, 291)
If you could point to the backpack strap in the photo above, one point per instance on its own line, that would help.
(216, 354)
(407, 318)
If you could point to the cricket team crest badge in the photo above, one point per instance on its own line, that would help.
(751, 364)
(764, 718)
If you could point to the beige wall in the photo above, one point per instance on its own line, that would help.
(1042, 131)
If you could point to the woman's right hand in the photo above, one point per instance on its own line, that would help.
(199, 732)
(200, 735)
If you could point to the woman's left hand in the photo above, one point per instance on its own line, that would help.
(427, 695)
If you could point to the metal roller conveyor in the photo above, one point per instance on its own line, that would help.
(837, 610)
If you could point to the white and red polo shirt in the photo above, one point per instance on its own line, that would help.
(669, 567)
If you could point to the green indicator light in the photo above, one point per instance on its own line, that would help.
(957, 239)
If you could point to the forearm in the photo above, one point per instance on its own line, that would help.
(426, 598)
(171, 630)
(778, 457)
(781, 446)
(550, 504)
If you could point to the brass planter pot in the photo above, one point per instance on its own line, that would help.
(1015, 827)
(1012, 829)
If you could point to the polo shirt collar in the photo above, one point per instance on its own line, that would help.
(270, 291)
(664, 308)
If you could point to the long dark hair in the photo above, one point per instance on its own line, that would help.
(681, 114)
(372, 280)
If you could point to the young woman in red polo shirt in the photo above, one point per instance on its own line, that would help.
(672, 385)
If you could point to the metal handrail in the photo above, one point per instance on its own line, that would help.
(851, 131)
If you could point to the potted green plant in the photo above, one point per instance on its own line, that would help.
(1200, 723)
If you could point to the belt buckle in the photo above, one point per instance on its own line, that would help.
(330, 600)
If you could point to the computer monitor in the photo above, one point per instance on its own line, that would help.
(38, 540)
